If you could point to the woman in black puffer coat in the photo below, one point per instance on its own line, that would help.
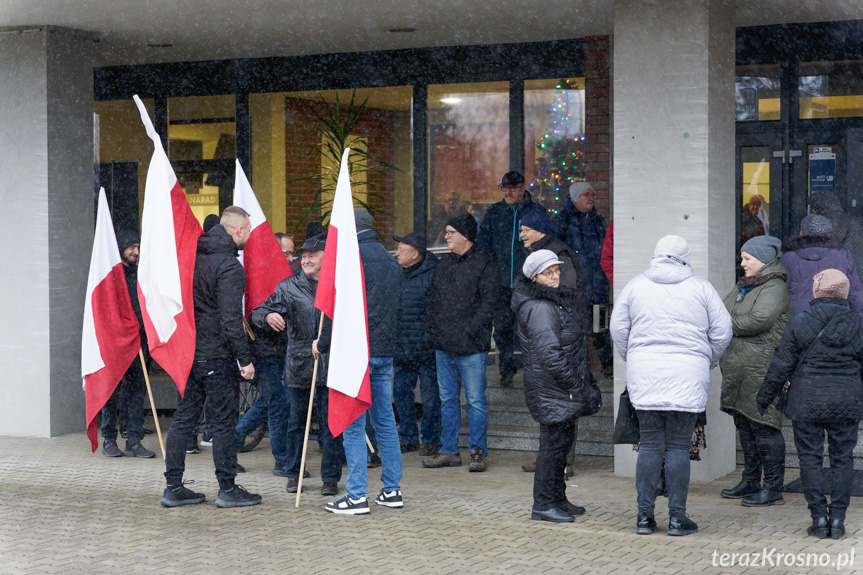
(555, 362)
(826, 394)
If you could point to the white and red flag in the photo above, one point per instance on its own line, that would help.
(110, 339)
(341, 296)
(166, 268)
(262, 258)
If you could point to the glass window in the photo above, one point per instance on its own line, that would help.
(468, 150)
(831, 89)
(755, 215)
(294, 173)
(554, 138)
(756, 93)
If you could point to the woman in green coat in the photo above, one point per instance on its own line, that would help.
(759, 306)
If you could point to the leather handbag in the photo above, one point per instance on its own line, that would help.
(626, 424)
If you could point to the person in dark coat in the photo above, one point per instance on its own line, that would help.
(291, 309)
(583, 229)
(815, 250)
(220, 345)
(460, 305)
(848, 228)
(554, 356)
(413, 359)
(499, 237)
(128, 397)
(825, 395)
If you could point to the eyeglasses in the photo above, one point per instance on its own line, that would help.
(288, 254)
(552, 272)
(589, 195)
(448, 233)
(511, 189)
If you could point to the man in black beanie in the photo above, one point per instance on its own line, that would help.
(460, 307)
(128, 397)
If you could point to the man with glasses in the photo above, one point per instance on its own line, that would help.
(583, 229)
(286, 242)
(499, 237)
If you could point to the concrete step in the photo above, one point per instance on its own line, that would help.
(791, 460)
(518, 415)
(590, 441)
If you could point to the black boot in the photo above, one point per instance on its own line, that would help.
(820, 528)
(763, 498)
(837, 528)
(742, 489)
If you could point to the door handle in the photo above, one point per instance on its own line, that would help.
(794, 154)
(780, 154)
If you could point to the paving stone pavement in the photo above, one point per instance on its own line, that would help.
(65, 510)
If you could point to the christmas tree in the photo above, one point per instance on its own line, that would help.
(560, 159)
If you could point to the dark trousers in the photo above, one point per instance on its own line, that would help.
(841, 440)
(549, 487)
(669, 433)
(128, 399)
(602, 345)
(404, 383)
(215, 380)
(504, 332)
(334, 454)
(763, 452)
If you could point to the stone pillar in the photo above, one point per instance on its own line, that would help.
(46, 158)
(673, 167)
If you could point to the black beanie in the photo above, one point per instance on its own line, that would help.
(465, 225)
(126, 238)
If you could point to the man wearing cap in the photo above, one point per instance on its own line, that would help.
(291, 308)
(583, 229)
(499, 237)
(412, 358)
(460, 306)
(128, 397)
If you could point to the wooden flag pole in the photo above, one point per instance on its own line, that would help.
(309, 418)
(249, 329)
(152, 403)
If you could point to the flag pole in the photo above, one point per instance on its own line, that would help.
(249, 329)
(309, 418)
(152, 403)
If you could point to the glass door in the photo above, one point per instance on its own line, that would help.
(759, 175)
(817, 162)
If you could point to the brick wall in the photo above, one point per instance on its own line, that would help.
(302, 154)
(598, 118)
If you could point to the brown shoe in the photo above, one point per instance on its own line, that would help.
(442, 460)
(293, 484)
(529, 467)
(329, 488)
(428, 449)
(477, 460)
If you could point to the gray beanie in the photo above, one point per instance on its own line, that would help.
(825, 202)
(362, 219)
(576, 189)
(815, 225)
(763, 248)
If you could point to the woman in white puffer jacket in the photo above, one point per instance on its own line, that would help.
(671, 328)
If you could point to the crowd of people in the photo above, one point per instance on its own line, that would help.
(787, 339)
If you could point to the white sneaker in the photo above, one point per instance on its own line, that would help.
(390, 499)
(344, 505)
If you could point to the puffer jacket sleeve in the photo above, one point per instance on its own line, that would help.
(719, 332)
(542, 326)
(782, 366)
(621, 322)
(230, 285)
(772, 302)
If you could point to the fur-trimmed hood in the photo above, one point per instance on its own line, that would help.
(796, 243)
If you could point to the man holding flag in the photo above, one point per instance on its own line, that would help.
(218, 286)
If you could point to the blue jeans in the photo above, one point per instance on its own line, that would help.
(471, 368)
(384, 421)
(403, 396)
(272, 405)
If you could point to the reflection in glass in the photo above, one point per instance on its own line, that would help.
(468, 150)
(755, 215)
(831, 89)
(756, 93)
(554, 138)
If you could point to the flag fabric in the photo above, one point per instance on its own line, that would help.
(166, 268)
(110, 339)
(341, 296)
(262, 258)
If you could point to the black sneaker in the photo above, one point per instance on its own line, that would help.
(344, 505)
(679, 524)
(177, 495)
(137, 450)
(239, 468)
(646, 524)
(237, 496)
(193, 448)
(110, 449)
(390, 498)
(506, 379)
(408, 447)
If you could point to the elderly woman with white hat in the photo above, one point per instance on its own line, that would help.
(671, 329)
(556, 373)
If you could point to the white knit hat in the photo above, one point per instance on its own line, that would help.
(672, 246)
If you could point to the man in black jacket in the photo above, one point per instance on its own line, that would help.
(413, 359)
(460, 305)
(220, 343)
(128, 397)
(499, 237)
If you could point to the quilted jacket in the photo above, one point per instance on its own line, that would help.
(671, 329)
(805, 256)
(827, 387)
(411, 329)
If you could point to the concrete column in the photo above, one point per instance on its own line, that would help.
(673, 168)
(46, 158)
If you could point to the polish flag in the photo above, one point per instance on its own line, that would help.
(262, 258)
(169, 242)
(341, 296)
(110, 339)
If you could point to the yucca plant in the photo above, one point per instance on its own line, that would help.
(336, 126)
